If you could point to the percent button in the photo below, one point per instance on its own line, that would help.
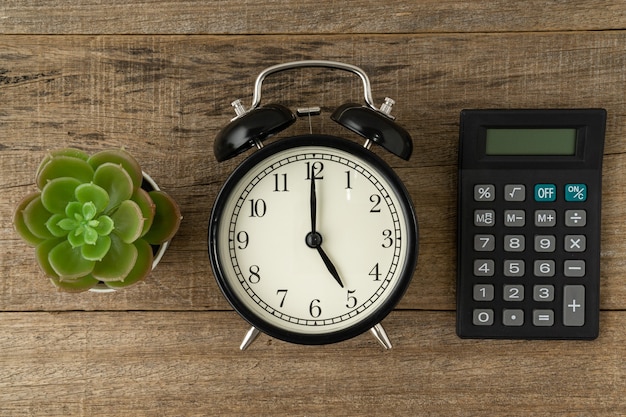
(575, 192)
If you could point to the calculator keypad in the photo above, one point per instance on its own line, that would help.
(529, 265)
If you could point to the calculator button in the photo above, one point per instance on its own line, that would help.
(545, 192)
(484, 292)
(574, 305)
(515, 192)
(483, 317)
(543, 317)
(545, 243)
(514, 268)
(544, 268)
(574, 268)
(484, 218)
(543, 293)
(513, 293)
(545, 218)
(484, 243)
(575, 218)
(575, 192)
(484, 192)
(484, 267)
(514, 218)
(575, 243)
(514, 243)
(513, 317)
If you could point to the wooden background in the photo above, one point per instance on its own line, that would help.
(157, 77)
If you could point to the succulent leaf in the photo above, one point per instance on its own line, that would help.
(64, 166)
(120, 157)
(78, 285)
(91, 192)
(54, 225)
(71, 152)
(117, 183)
(21, 227)
(167, 218)
(68, 262)
(105, 225)
(98, 250)
(118, 261)
(147, 206)
(35, 217)
(142, 267)
(128, 221)
(58, 193)
(41, 253)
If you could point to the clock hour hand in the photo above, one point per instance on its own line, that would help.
(329, 265)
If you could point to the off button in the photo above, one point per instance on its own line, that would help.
(545, 192)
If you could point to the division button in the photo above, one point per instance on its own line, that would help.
(575, 218)
(574, 305)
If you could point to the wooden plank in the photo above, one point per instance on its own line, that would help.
(164, 98)
(178, 363)
(305, 17)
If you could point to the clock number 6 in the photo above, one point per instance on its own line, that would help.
(314, 309)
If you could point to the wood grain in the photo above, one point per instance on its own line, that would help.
(157, 77)
(164, 98)
(188, 363)
(306, 17)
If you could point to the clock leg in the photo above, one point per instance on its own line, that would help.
(250, 336)
(381, 335)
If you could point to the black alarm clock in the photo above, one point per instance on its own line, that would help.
(313, 239)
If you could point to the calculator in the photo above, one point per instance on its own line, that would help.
(529, 197)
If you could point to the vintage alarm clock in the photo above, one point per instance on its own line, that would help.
(313, 239)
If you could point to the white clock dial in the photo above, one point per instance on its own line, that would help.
(314, 240)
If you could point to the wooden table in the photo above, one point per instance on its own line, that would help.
(157, 78)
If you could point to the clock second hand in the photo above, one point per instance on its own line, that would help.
(314, 239)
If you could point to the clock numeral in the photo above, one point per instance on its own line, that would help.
(254, 277)
(314, 309)
(313, 170)
(243, 239)
(280, 183)
(258, 208)
(352, 301)
(284, 294)
(376, 199)
(348, 185)
(375, 273)
(388, 240)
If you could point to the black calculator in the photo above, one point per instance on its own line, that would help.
(529, 199)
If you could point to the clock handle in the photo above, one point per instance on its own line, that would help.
(367, 89)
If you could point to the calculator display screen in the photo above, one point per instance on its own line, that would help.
(531, 141)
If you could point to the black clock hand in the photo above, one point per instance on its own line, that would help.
(329, 265)
(314, 239)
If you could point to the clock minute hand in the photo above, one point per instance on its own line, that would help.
(314, 239)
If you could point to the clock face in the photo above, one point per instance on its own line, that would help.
(313, 239)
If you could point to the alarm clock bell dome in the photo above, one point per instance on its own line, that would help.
(254, 126)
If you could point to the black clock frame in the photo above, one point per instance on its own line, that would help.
(411, 240)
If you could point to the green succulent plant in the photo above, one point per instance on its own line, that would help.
(91, 221)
